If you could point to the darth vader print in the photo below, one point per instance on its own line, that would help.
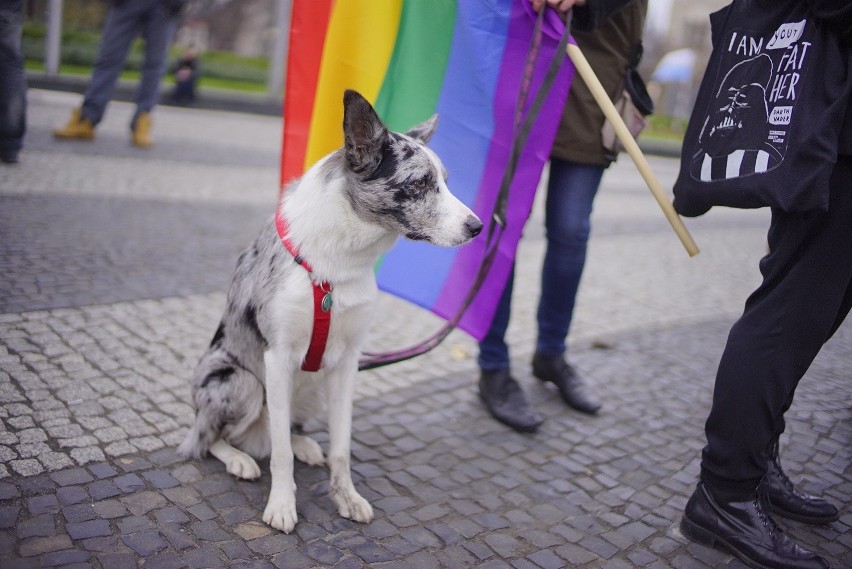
(745, 131)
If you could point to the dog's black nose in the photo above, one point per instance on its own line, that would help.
(473, 225)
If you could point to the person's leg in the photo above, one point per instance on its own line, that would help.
(501, 393)
(493, 351)
(571, 192)
(804, 296)
(12, 82)
(800, 303)
(158, 28)
(121, 27)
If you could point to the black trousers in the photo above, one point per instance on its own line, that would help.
(805, 295)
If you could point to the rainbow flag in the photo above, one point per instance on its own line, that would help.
(411, 58)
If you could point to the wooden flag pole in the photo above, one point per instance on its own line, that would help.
(600, 95)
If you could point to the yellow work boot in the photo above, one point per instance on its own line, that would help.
(141, 134)
(78, 127)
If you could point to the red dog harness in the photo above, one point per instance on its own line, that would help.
(322, 302)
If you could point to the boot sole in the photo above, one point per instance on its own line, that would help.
(706, 537)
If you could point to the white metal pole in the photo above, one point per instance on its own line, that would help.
(278, 59)
(53, 41)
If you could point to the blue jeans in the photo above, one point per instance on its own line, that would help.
(12, 83)
(571, 190)
(124, 22)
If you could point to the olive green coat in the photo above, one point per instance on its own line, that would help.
(608, 49)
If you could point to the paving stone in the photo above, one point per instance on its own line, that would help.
(165, 560)
(79, 513)
(70, 495)
(161, 479)
(143, 502)
(236, 549)
(322, 552)
(64, 558)
(272, 543)
(8, 516)
(144, 543)
(205, 557)
(42, 525)
(182, 495)
(129, 483)
(134, 524)
(202, 512)
(43, 504)
(178, 537)
(75, 476)
(102, 489)
(41, 545)
(8, 491)
(252, 530)
(102, 471)
(117, 560)
(253, 564)
(85, 530)
(8, 540)
(209, 531)
(108, 544)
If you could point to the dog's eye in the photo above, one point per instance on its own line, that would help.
(419, 186)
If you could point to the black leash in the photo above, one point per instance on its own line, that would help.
(522, 128)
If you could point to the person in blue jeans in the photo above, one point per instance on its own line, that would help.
(12, 83)
(155, 21)
(609, 32)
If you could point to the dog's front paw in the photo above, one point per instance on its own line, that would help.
(281, 514)
(243, 466)
(353, 506)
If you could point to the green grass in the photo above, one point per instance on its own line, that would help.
(661, 127)
(204, 82)
(219, 70)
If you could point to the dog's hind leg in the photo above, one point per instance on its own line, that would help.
(236, 461)
(307, 450)
(341, 390)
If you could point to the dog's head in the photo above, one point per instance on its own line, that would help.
(397, 183)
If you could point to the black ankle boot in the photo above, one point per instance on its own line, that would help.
(786, 501)
(744, 529)
(505, 400)
(571, 386)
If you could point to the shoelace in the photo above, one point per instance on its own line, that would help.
(764, 517)
(783, 475)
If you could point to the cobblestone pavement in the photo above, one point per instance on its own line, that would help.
(113, 263)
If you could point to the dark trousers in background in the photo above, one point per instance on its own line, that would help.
(12, 81)
(805, 295)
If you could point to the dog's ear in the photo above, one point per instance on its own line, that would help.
(364, 134)
(424, 131)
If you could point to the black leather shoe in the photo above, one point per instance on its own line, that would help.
(571, 386)
(506, 401)
(786, 501)
(745, 530)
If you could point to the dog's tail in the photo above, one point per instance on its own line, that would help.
(201, 435)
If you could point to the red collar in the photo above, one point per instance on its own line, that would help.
(322, 302)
